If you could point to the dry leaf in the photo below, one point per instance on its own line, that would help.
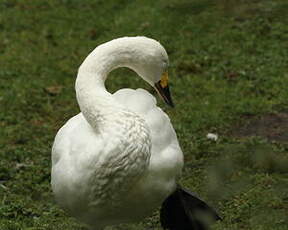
(54, 90)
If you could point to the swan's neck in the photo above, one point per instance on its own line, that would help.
(96, 103)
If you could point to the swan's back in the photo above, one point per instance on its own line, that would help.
(144, 104)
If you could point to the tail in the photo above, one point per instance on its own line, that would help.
(184, 210)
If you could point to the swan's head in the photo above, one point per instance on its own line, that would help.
(145, 56)
(151, 63)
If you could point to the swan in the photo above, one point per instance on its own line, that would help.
(119, 159)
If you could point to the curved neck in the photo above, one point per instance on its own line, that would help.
(96, 103)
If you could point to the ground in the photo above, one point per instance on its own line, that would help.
(228, 74)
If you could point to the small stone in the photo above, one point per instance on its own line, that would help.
(212, 136)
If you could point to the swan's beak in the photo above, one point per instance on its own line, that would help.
(162, 88)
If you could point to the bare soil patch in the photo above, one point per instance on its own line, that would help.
(274, 127)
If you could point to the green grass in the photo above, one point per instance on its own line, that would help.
(228, 67)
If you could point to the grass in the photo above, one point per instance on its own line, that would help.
(228, 70)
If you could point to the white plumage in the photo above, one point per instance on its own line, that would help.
(118, 159)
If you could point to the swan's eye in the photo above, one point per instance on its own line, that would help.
(166, 64)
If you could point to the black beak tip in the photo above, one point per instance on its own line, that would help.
(171, 104)
(165, 94)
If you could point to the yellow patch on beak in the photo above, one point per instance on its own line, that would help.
(163, 89)
(164, 80)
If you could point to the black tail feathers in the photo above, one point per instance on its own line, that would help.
(184, 210)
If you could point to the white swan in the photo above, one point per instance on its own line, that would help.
(119, 159)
